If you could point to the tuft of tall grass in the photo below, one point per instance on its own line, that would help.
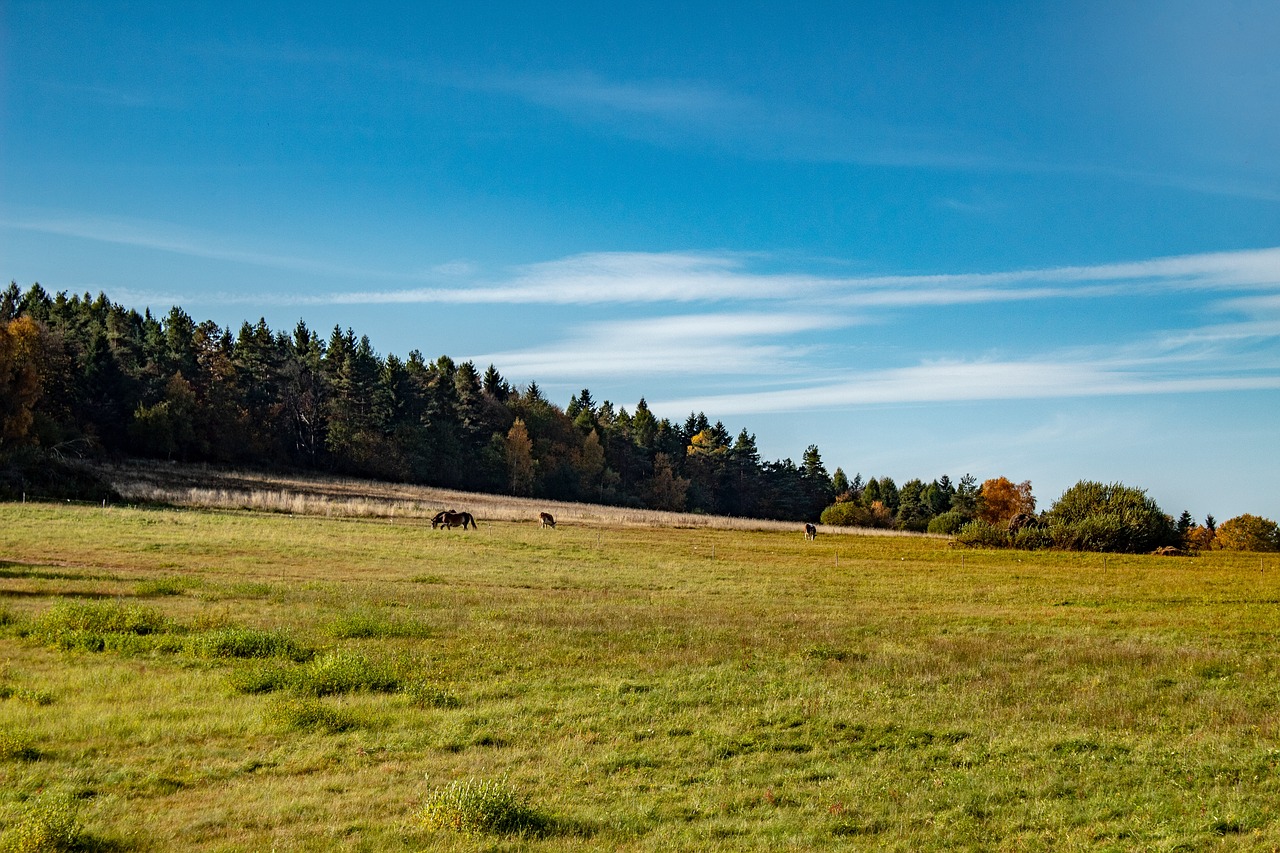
(343, 671)
(32, 696)
(425, 695)
(262, 678)
(97, 626)
(308, 714)
(362, 625)
(165, 586)
(49, 824)
(491, 807)
(17, 746)
(240, 642)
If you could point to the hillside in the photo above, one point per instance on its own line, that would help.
(226, 488)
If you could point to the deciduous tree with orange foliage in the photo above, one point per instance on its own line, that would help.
(1249, 533)
(21, 378)
(1000, 499)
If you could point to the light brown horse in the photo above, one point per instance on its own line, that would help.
(546, 519)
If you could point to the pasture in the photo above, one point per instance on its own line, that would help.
(185, 679)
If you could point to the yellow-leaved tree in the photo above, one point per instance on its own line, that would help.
(1000, 499)
(1249, 533)
(21, 378)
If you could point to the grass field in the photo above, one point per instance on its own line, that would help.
(177, 679)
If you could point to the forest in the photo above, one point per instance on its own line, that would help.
(86, 377)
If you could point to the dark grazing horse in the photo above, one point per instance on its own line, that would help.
(449, 519)
(810, 532)
(546, 519)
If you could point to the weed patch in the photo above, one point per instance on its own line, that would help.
(491, 807)
(96, 626)
(48, 824)
(262, 678)
(342, 671)
(870, 738)
(237, 642)
(165, 586)
(308, 714)
(366, 626)
(425, 695)
(17, 746)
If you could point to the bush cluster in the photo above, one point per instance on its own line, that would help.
(982, 534)
(1092, 516)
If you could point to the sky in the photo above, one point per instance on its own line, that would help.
(1034, 240)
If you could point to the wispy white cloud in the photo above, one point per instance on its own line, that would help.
(601, 278)
(701, 344)
(965, 381)
(165, 237)
(667, 99)
(684, 277)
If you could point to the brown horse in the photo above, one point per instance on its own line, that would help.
(810, 532)
(546, 519)
(449, 519)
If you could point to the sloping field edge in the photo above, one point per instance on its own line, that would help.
(206, 486)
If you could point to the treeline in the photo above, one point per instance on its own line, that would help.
(999, 513)
(84, 376)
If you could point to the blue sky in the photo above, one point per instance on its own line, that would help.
(1033, 240)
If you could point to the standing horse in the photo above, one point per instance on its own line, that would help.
(810, 532)
(438, 518)
(450, 519)
(546, 519)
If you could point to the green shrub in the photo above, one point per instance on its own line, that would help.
(238, 642)
(980, 534)
(342, 671)
(949, 523)
(482, 808)
(305, 713)
(1032, 539)
(48, 824)
(846, 514)
(1101, 532)
(1095, 517)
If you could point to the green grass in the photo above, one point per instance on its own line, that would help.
(477, 808)
(315, 683)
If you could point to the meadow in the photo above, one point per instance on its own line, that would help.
(176, 678)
